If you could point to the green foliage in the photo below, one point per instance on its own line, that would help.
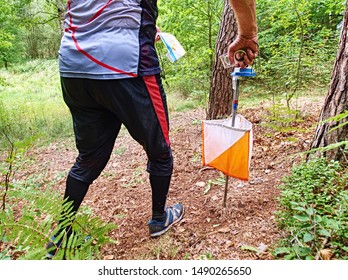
(10, 46)
(220, 181)
(298, 40)
(28, 29)
(206, 256)
(298, 43)
(340, 117)
(31, 106)
(340, 121)
(282, 119)
(195, 24)
(27, 223)
(314, 211)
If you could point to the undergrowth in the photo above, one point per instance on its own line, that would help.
(314, 212)
(29, 220)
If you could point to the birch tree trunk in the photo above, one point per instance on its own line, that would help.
(335, 103)
(220, 97)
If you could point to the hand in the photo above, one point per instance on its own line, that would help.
(249, 51)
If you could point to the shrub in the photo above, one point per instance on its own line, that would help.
(314, 212)
(29, 221)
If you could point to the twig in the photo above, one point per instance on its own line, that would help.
(205, 168)
(317, 256)
(9, 170)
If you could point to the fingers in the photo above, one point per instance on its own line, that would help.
(240, 64)
(243, 51)
(239, 55)
(233, 48)
(250, 57)
(251, 54)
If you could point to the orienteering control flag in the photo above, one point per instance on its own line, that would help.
(228, 148)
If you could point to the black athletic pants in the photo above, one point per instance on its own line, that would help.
(98, 109)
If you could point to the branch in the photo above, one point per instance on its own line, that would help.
(317, 256)
(9, 170)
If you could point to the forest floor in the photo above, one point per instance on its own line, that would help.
(121, 195)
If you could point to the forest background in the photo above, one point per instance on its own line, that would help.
(298, 44)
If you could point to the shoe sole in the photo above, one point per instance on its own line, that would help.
(156, 234)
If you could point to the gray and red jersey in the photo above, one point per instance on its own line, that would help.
(109, 39)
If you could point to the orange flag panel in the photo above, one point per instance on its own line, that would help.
(228, 148)
(234, 162)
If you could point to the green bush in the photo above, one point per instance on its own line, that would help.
(314, 211)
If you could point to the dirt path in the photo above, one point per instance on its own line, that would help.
(122, 194)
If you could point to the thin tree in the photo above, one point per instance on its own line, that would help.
(220, 97)
(332, 130)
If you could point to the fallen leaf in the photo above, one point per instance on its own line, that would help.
(326, 254)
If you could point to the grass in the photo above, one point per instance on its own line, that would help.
(179, 102)
(34, 88)
(31, 105)
(252, 94)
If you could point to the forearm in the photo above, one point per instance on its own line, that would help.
(245, 12)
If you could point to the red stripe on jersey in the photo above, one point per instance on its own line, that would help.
(156, 98)
(100, 11)
(100, 63)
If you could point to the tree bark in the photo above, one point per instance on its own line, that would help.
(60, 13)
(335, 102)
(220, 97)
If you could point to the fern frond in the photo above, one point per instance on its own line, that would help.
(31, 218)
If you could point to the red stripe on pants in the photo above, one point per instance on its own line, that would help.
(156, 98)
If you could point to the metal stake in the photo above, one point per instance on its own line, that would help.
(245, 72)
(235, 89)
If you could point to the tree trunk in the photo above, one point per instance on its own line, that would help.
(60, 13)
(335, 102)
(220, 98)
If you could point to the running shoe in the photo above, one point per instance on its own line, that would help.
(173, 215)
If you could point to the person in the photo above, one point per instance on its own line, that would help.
(247, 39)
(110, 75)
